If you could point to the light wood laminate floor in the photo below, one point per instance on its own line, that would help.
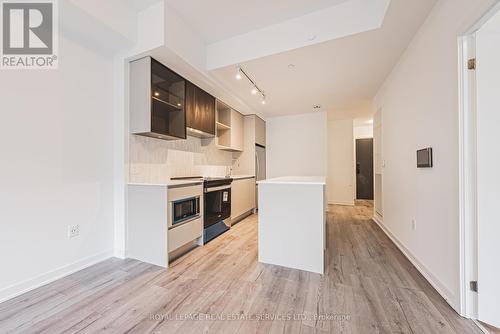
(369, 287)
(491, 329)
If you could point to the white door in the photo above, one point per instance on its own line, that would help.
(488, 174)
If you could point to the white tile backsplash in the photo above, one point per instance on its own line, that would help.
(155, 160)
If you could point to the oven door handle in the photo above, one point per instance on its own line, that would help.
(209, 190)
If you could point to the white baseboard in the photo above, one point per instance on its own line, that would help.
(235, 220)
(349, 203)
(51, 276)
(447, 294)
(481, 327)
(120, 253)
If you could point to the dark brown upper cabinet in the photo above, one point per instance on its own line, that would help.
(157, 100)
(200, 112)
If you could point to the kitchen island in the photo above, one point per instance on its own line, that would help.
(292, 217)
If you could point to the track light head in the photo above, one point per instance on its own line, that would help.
(255, 89)
(238, 74)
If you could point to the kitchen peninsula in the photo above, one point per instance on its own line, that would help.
(292, 216)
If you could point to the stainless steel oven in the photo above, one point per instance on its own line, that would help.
(184, 210)
(217, 201)
(217, 207)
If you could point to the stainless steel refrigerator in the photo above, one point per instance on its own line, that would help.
(260, 168)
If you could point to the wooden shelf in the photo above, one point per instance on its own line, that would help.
(226, 148)
(229, 124)
(168, 103)
(221, 126)
(223, 113)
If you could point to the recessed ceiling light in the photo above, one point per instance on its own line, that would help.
(312, 37)
(254, 90)
(291, 66)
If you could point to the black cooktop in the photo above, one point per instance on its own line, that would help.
(204, 178)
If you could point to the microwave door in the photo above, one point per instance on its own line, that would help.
(184, 211)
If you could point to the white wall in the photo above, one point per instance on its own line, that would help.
(56, 139)
(296, 145)
(183, 40)
(360, 113)
(378, 170)
(155, 161)
(420, 109)
(150, 28)
(488, 166)
(364, 131)
(340, 176)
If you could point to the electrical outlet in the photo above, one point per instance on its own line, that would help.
(414, 224)
(73, 230)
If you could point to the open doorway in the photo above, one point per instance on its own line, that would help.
(480, 163)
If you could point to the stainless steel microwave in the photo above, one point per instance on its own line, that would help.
(184, 210)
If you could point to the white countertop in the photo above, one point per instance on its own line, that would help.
(173, 183)
(295, 180)
(238, 177)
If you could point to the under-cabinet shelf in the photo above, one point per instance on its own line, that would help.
(221, 126)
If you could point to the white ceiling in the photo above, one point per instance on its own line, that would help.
(139, 5)
(338, 74)
(493, 24)
(216, 20)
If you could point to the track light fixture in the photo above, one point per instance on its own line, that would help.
(255, 89)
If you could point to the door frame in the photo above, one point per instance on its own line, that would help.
(467, 169)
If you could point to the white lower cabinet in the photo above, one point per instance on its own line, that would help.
(181, 235)
(242, 197)
(149, 214)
